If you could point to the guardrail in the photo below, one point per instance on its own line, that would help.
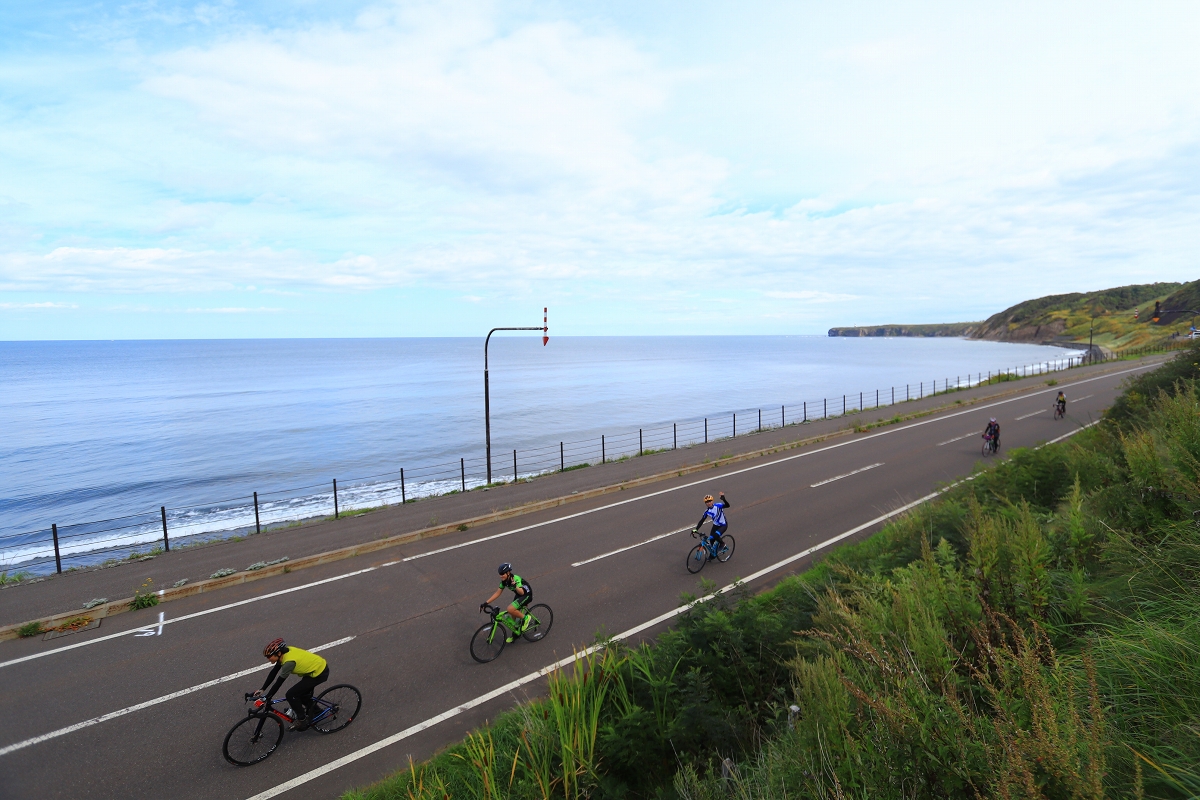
(76, 545)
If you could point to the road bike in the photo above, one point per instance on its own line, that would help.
(489, 640)
(990, 444)
(256, 736)
(1060, 410)
(708, 550)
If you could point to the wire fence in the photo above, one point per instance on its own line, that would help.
(77, 545)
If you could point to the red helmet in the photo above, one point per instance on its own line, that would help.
(274, 647)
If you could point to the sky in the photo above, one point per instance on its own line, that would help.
(306, 169)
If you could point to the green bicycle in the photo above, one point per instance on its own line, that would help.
(489, 640)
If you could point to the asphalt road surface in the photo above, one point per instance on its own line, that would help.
(114, 714)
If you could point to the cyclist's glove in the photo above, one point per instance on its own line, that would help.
(483, 606)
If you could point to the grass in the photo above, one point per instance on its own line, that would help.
(16, 577)
(30, 629)
(1035, 633)
(144, 596)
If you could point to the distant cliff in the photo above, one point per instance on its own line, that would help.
(940, 329)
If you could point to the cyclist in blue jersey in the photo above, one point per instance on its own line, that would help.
(716, 512)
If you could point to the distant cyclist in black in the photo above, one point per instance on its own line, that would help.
(716, 512)
(993, 431)
(520, 588)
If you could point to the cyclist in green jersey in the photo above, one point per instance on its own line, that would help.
(519, 587)
(310, 668)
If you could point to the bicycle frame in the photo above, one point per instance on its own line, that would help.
(501, 617)
(260, 707)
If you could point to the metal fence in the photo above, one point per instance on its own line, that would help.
(81, 544)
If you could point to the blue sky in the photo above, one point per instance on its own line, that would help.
(231, 169)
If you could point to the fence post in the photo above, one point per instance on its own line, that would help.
(860, 401)
(706, 430)
(735, 425)
(602, 456)
(462, 466)
(403, 497)
(258, 525)
(922, 397)
(783, 416)
(907, 395)
(166, 543)
(843, 405)
(639, 441)
(674, 436)
(825, 412)
(335, 507)
(57, 556)
(562, 458)
(877, 398)
(805, 418)
(514, 466)
(893, 395)
(760, 420)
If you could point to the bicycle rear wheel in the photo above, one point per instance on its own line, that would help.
(252, 739)
(543, 618)
(726, 551)
(488, 641)
(697, 557)
(337, 707)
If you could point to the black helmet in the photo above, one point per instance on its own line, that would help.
(503, 568)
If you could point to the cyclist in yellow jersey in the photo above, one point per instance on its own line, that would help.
(310, 668)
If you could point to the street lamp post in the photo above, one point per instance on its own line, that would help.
(487, 401)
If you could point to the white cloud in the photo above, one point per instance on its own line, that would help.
(234, 310)
(36, 306)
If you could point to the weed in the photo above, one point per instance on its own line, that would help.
(222, 573)
(462, 527)
(16, 577)
(179, 583)
(576, 466)
(95, 601)
(29, 629)
(144, 596)
(73, 624)
(1051, 382)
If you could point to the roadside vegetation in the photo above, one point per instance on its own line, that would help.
(1034, 633)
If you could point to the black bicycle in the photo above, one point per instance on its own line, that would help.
(256, 736)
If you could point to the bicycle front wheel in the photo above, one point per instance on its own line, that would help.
(543, 618)
(987, 447)
(487, 642)
(337, 707)
(697, 557)
(726, 551)
(252, 739)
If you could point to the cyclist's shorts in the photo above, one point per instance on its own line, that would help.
(719, 530)
(524, 600)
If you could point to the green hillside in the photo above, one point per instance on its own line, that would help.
(1069, 317)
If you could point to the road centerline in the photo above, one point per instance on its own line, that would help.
(844, 475)
(630, 547)
(957, 438)
(1032, 414)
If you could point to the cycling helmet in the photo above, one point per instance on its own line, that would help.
(708, 498)
(274, 647)
(993, 419)
(503, 568)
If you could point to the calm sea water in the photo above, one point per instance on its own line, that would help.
(102, 430)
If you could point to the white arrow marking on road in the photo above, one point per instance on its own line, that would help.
(847, 475)
(87, 723)
(152, 631)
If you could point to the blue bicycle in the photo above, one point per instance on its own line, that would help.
(708, 550)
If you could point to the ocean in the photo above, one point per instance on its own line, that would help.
(101, 435)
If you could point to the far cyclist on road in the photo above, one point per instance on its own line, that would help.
(716, 512)
(519, 587)
(310, 668)
(1061, 402)
(992, 431)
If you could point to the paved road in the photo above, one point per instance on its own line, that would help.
(411, 611)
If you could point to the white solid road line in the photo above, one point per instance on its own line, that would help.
(114, 714)
(846, 475)
(1085, 397)
(1072, 433)
(630, 547)
(350, 758)
(772, 463)
(958, 438)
